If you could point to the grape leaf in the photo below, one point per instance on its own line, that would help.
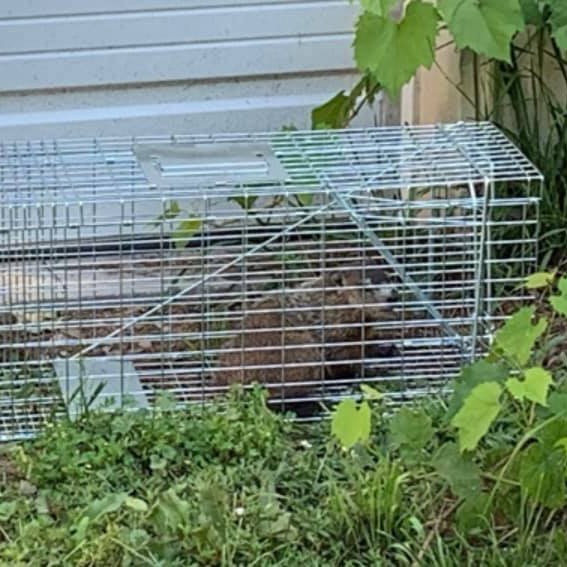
(518, 336)
(186, 229)
(478, 372)
(371, 393)
(472, 513)
(534, 386)
(485, 26)
(305, 199)
(558, 403)
(551, 435)
(558, 21)
(542, 475)
(559, 302)
(378, 7)
(531, 11)
(539, 280)
(411, 429)
(460, 472)
(479, 410)
(333, 113)
(245, 202)
(393, 51)
(351, 424)
(170, 212)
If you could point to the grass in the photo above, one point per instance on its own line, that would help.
(241, 485)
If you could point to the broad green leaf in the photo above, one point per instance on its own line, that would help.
(8, 509)
(542, 475)
(473, 513)
(479, 410)
(532, 12)
(379, 7)
(172, 511)
(371, 393)
(351, 424)
(561, 443)
(305, 199)
(485, 26)
(170, 212)
(559, 302)
(517, 338)
(559, 22)
(245, 202)
(558, 403)
(213, 499)
(393, 51)
(80, 530)
(552, 433)
(411, 429)
(460, 472)
(539, 280)
(534, 386)
(136, 504)
(186, 229)
(106, 505)
(333, 113)
(479, 372)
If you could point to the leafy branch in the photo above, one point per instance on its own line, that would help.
(391, 45)
(508, 389)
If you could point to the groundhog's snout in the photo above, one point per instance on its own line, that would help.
(386, 291)
(389, 295)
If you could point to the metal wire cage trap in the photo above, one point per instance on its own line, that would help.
(309, 261)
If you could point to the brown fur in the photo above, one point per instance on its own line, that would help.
(316, 306)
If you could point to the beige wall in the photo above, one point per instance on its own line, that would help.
(432, 97)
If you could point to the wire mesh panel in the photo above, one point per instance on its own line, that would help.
(306, 261)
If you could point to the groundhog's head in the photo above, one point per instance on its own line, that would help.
(371, 289)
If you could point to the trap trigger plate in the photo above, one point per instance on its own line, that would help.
(176, 164)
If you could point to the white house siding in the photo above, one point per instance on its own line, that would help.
(129, 67)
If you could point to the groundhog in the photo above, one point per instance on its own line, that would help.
(323, 325)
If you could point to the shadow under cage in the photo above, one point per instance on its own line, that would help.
(310, 262)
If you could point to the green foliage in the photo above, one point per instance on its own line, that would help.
(185, 231)
(558, 19)
(471, 376)
(186, 227)
(246, 202)
(485, 26)
(411, 430)
(338, 111)
(378, 7)
(517, 338)
(559, 301)
(539, 280)
(542, 475)
(480, 482)
(534, 386)
(393, 51)
(390, 48)
(459, 470)
(477, 414)
(351, 423)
